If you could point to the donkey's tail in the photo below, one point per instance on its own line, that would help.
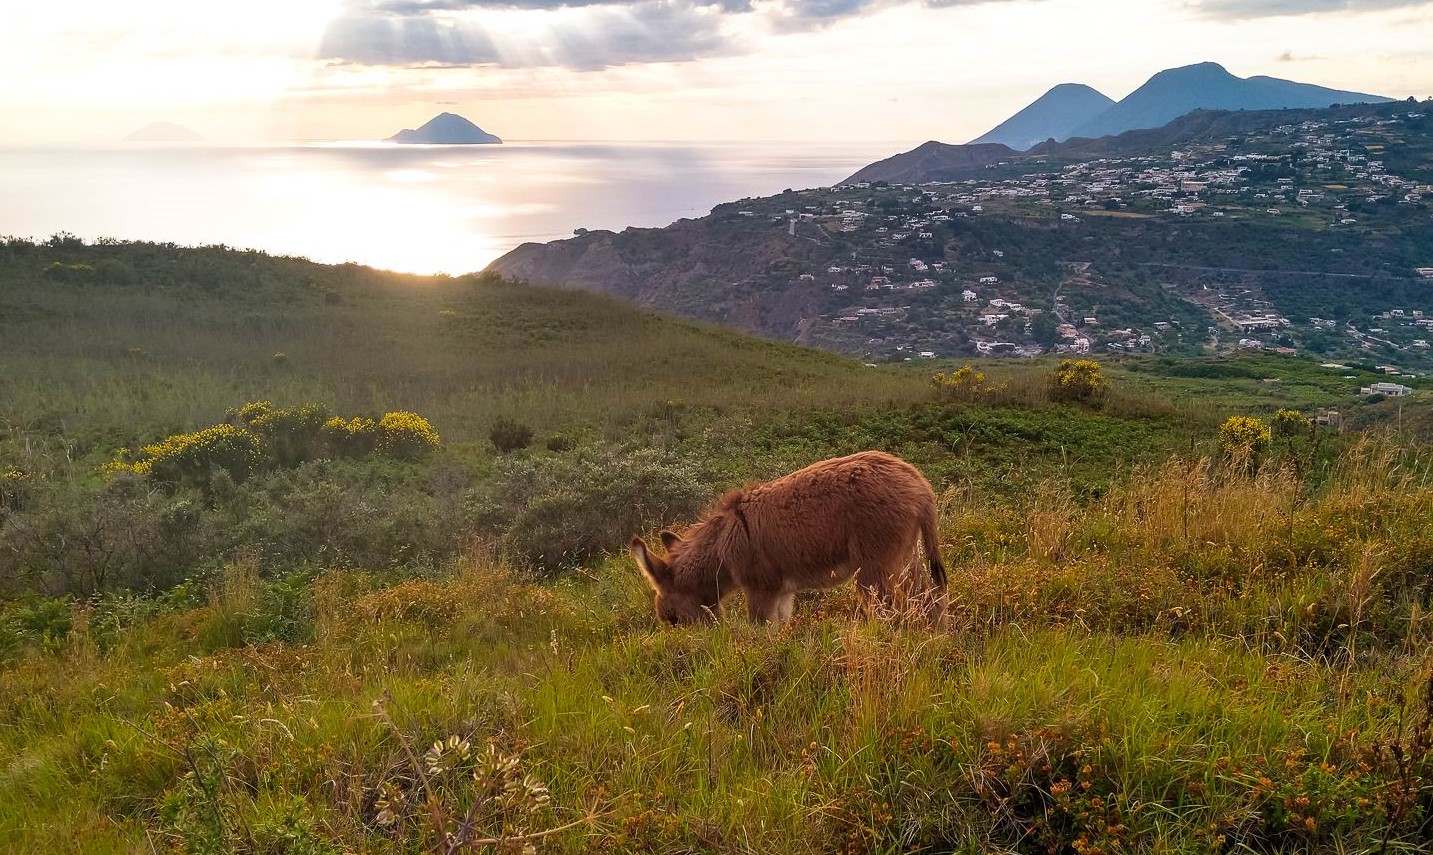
(930, 539)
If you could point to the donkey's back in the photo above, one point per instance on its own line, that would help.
(859, 516)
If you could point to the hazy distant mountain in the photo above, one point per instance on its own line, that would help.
(446, 129)
(163, 132)
(1173, 92)
(1051, 116)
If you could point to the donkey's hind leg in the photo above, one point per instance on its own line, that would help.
(873, 581)
(766, 606)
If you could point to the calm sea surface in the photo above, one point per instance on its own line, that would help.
(414, 208)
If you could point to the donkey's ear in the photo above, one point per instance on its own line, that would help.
(670, 538)
(651, 566)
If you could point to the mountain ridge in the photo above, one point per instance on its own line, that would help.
(1176, 92)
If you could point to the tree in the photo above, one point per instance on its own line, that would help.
(1045, 329)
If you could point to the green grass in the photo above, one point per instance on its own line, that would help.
(1151, 649)
(130, 357)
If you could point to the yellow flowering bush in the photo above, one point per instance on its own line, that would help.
(11, 482)
(250, 412)
(259, 434)
(1244, 437)
(356, 437)
(406, 435)
(190, 457)
(1291, 423)
(963, 384)
(1078, 381)
(291, 435)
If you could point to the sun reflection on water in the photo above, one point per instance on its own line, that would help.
(421, 209)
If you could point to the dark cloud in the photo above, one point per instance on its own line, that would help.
(393, 40)
(1279, 8)
(610, 32)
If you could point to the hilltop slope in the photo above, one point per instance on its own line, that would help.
(94, 335)
(937, 161)
(1051, 116)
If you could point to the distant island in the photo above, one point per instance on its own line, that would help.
(164, 132)
(446, 129)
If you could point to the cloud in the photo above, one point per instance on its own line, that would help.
(1282, 8)
(580, 34)
(1290, 56)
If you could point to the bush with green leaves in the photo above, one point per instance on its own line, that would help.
(508, 435)
(1291, 424)
(291, 435)
(557, 512)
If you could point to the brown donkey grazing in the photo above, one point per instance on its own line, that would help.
(859, 516)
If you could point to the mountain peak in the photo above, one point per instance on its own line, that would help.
(1051, 116)
(446, 129)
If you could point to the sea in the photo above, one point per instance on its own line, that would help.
(420, 209)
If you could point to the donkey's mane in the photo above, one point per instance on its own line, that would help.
(701, 540)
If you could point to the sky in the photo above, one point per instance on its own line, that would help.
(88, 72)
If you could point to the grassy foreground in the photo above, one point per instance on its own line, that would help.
(1200, 660)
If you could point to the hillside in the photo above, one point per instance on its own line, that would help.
(1208, 86)
(95, 334)
(1281, 230)
(934, 161)
(943, 162)
(1052, 116)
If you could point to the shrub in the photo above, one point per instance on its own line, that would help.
(508, 435)
(1244, 438)
(250, 412)
(291, 435)
(963, 384)
(1078, 381)
(190, 457)
(357, 437)
(12, 487)
(561, 511)
(1290, 424)
(406, 436)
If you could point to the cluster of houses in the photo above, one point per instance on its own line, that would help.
(892, 243)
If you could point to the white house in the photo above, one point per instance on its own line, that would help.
(1388, 390)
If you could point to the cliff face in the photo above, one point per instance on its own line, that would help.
(729, 271)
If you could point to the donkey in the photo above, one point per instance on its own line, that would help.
(858, 516)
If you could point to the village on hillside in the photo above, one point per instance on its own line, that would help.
(1023, 263)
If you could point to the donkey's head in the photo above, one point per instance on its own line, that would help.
(682, 596)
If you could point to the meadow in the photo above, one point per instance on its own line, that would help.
(1160, 641)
